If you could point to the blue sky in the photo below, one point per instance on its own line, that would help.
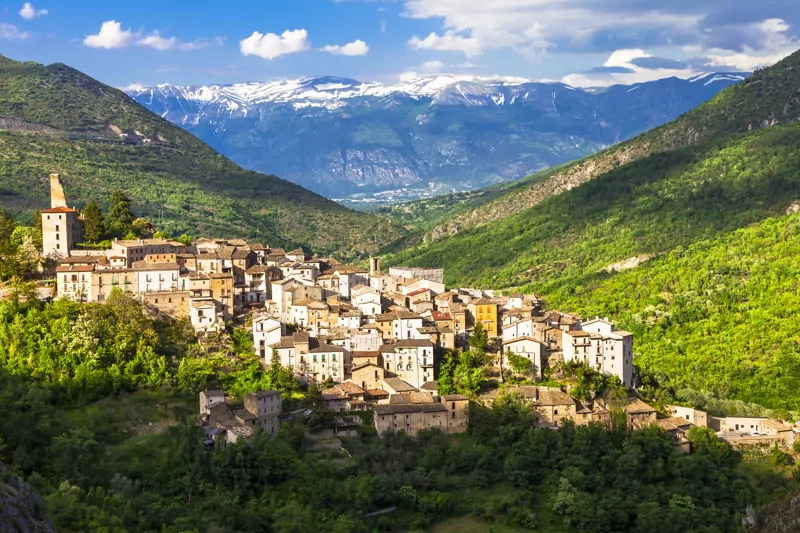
(583, 42)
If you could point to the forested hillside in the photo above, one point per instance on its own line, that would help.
(768, 98)
(713, 310)
(56, 119)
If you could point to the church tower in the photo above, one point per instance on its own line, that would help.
(61, 225)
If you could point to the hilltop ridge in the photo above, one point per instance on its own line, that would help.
(56, 119)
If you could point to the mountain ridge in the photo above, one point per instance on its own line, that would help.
(348, 139)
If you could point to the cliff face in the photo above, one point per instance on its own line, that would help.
(21, 509)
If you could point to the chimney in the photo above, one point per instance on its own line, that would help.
(57, 197)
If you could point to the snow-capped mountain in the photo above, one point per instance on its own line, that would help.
(339, 136)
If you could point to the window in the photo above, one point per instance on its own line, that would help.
(399, 366)
(555, 411)
(58, 246)
(408, 366)
(333, 357)
(323, 358)
(314, 358)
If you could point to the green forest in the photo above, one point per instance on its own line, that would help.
(99, 419)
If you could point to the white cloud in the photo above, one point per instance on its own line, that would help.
(134, 87)
(778, 43)
(271, 45)
(431, 66)
(623, 58)
(157, 42)
(408, 76)
(111, 35)
(9, 32)
(449, 42)
(28, 12)
(356, 48)
(738, 31)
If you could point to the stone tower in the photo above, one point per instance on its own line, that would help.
(61, 225)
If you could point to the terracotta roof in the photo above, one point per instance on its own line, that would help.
(576, 333)
(58, 210)
(75, 268)
(439, 315)
(414, 343)
(672, 423)
(410, 397)
(637, 406)
(80, 259)
(454, 397)
(366, 354)
(394, 409)
(327, 348)
(524, 338)
(398, 384)
(145, 265)
(429, 386)
(419, 291)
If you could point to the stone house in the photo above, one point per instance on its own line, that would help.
(367, 375)
(533, 350)
(449, 414)
(327, 361)
(411, 360)
(267, 331)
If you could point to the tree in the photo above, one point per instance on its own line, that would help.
(446, 382)
(119, 218)
(479, 340)
(143, 227)
(93, 225)
(6, 229)
(519, 364)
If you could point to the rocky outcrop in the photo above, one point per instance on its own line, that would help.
(21, 509)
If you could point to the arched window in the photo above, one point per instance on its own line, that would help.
(408, 366)
(399, 366)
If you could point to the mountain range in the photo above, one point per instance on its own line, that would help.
(371, 142)
(56, 119)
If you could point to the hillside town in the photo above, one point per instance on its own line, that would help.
(373, 340)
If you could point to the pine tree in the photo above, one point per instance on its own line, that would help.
(119, 218)
(6, 228)
(93, 227)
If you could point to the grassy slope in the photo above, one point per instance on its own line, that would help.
(184, 185)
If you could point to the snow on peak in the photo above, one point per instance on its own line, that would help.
(328, 91)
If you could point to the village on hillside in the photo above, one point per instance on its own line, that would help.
(373, 340)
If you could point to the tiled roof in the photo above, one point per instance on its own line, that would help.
(398, 384)
(328, 348)
(637, 406)
(394, 409)
(58, 210)
(414, 343)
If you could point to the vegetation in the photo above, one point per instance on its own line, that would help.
(56, 119)
(504, 472)
(711, 307)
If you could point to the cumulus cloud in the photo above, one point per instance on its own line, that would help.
(630, 66)
(742, 32)
(272, 45)
(9, 32)
(448, 42)
(356, 48)
(157, 42)
(111, 35)
(28, 12)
